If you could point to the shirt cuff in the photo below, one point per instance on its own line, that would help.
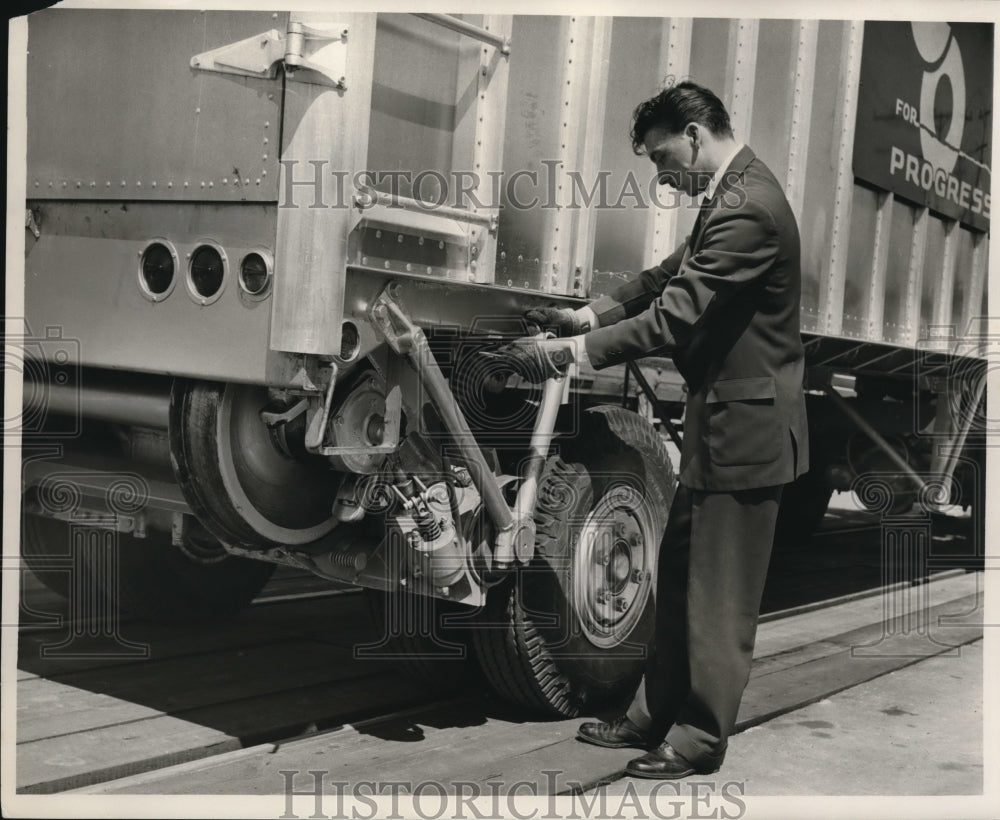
(587, 319)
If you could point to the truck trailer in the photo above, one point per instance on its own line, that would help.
(265, 250)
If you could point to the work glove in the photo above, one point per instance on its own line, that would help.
(560, 321)
(537, 360)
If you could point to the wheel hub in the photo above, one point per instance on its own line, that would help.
(613, 568)
(619, 568)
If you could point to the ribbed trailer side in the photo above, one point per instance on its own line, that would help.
(876, 267)
(536, 132)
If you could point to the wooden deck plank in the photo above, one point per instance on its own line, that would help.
(766, 696)
(310, 709)
(865, 743)
(414, 750)
(56, 764)
(956, 598)
(445, 753)
(242, 768)
(51, 709)
(808, 682)
(583, 766)
(502, 750)
(245, 775)
(73, 761)
(173, 685)
(148, 782)
(782, 634)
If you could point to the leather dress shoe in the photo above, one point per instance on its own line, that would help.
(665, 763)
(616, 734)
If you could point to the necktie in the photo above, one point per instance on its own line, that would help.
(696, 230)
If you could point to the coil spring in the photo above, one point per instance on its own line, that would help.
(347, 559)
(428, 525)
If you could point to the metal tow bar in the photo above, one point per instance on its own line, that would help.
(515, 540)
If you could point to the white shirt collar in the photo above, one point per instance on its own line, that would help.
(713, 183)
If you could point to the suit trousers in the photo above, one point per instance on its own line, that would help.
(712, 565)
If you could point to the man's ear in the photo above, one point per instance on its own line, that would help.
(693, 131)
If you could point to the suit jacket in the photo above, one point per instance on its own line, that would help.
(725, 306)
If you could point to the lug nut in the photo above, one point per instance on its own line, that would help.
(602, 597)
(638, 575)
(621, 604)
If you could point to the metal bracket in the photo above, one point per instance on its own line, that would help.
(256, 56)
(272, 419)
(316, 427)
(390, 434)
(31, 223)
(320, 49)
(318, 423)
(395, 326)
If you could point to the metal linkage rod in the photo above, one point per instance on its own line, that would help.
(633, 368)
(408, 340)
(874, 435)
(956, 446)
(469, 30)
(541, 438)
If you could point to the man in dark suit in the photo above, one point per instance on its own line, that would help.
(725, 306)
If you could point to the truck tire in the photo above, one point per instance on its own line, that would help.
(156, 580)
(803, 506)
(571, 629)
(242, 485)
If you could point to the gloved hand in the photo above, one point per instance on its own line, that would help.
(560, 321)
(537, 359)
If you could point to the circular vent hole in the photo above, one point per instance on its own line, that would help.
(207, 271)
(157, 268)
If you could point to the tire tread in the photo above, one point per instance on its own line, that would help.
(517, 660)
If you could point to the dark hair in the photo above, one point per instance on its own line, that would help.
(675, 107)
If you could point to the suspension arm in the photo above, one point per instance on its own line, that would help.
(515, 528)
